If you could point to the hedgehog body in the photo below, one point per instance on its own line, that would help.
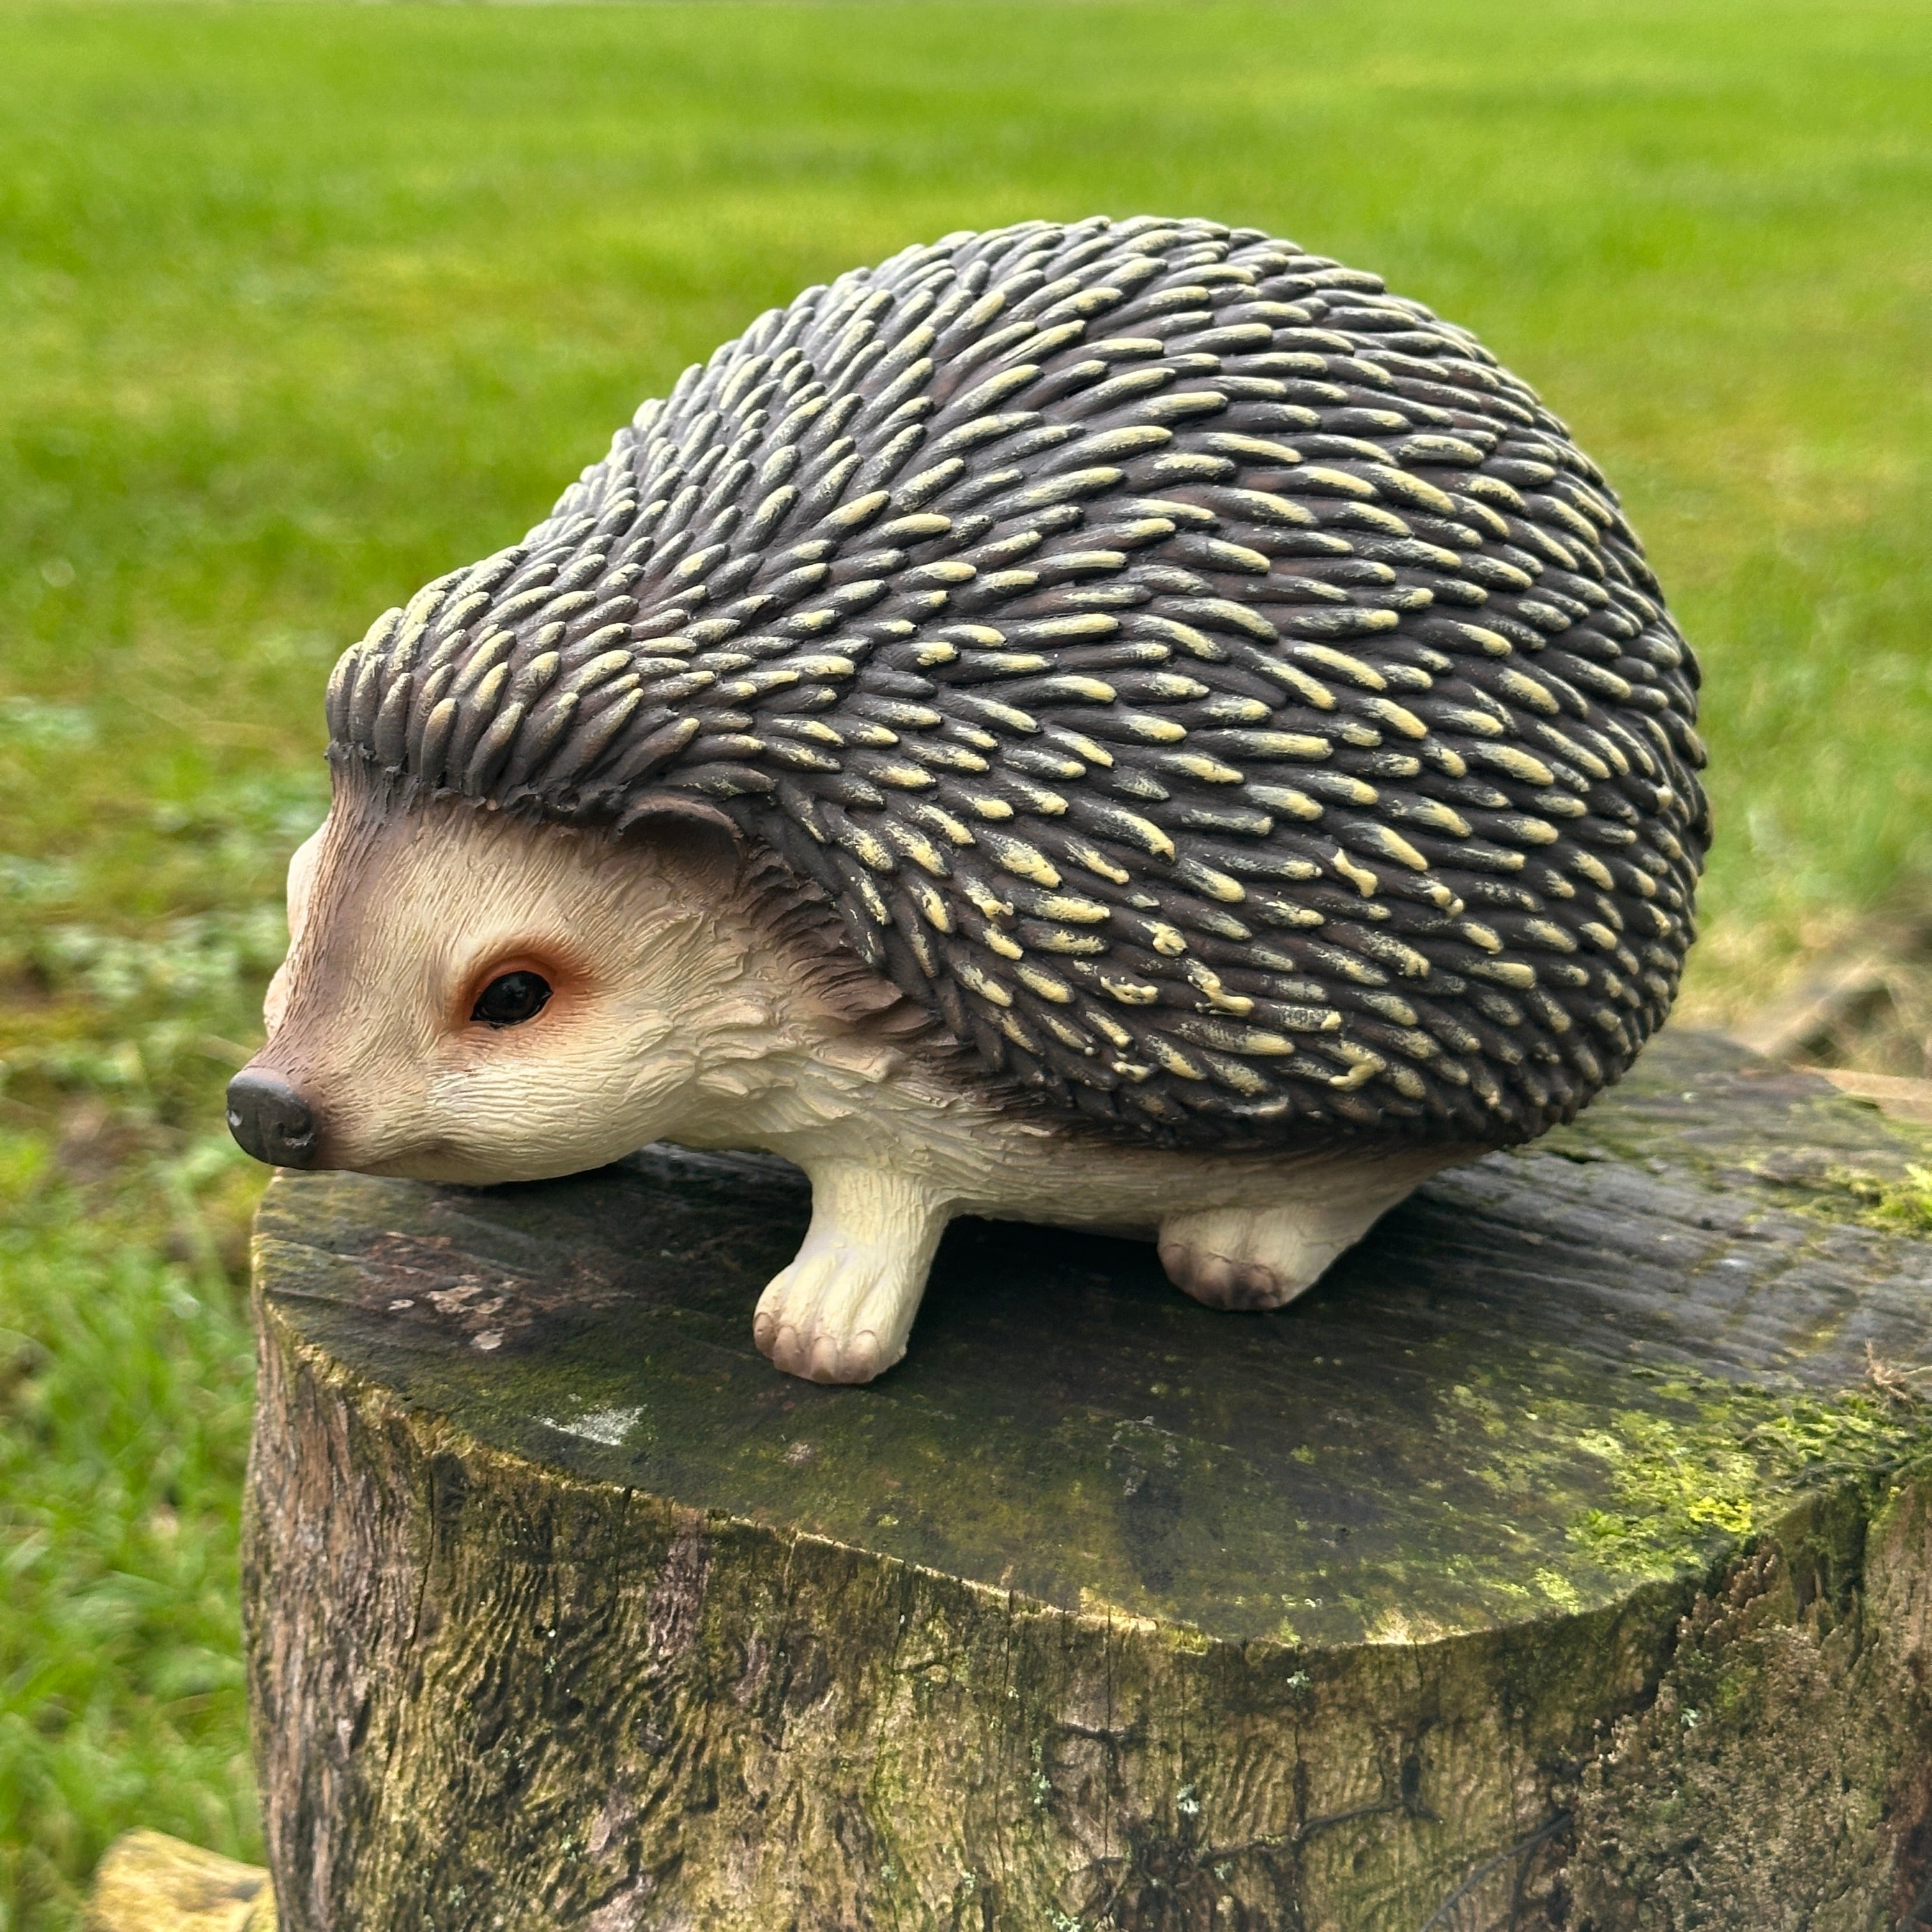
(1208, 682)
(1127, 724)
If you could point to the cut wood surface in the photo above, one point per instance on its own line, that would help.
(1563, 1560)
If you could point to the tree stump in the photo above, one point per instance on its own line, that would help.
(1565, 1559)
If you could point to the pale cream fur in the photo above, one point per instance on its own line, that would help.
(680, 1016)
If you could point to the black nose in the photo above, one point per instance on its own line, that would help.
(270, 1119)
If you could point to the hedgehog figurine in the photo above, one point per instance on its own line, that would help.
(1127, 725)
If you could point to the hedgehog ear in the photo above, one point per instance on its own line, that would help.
(695, 835)
(662, 808)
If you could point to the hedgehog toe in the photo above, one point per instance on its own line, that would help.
(850, 1360)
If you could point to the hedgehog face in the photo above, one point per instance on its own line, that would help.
(470, 997)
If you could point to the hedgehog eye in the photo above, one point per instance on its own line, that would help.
(512, 999)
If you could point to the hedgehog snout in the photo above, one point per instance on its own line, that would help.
(270, 1119)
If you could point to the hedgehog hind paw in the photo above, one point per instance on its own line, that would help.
(1199, 1264)
(1262, 1256)
(1254, 1259)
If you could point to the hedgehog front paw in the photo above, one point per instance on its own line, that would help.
(832, 1319)
(841, 1312)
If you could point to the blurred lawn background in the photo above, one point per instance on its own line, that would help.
(301, 306)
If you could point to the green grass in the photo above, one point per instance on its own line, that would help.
(124, 1411)
(302, 306)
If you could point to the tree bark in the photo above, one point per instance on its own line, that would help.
(1564, 1560)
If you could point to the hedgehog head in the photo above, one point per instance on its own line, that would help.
(1214, 697)
(471, 996)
